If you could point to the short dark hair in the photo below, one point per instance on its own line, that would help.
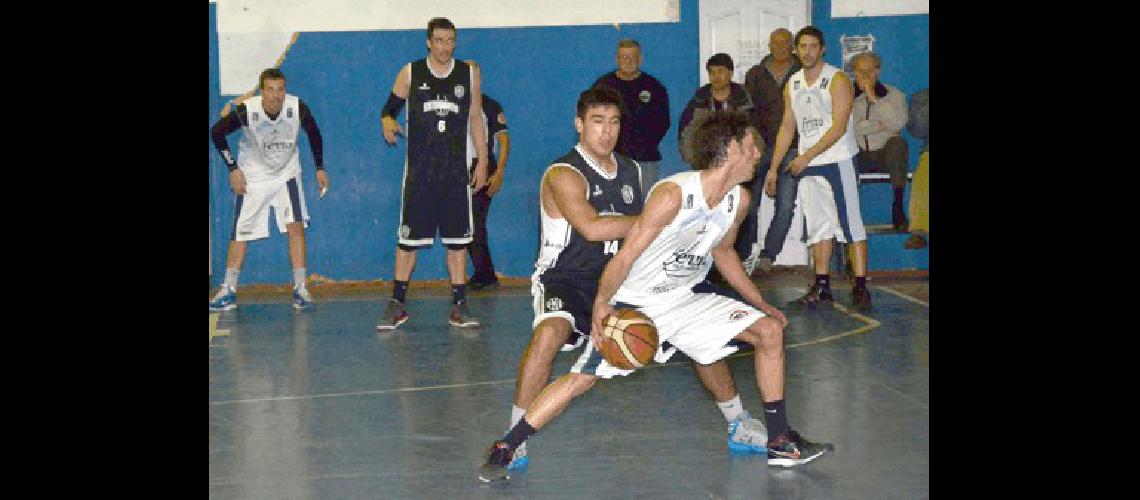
(269, 74)
(714, 132)
(810, 30)
(600, 95)
(439, 23)
(720, 59)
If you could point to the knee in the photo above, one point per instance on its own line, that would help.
(769, 334)
(547, 340)
(580, 382)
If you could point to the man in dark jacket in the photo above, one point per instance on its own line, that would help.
(721, 94)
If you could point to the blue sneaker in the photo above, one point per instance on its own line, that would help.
(225, 300)
(301, 298)
(519, 460)
(747, 435)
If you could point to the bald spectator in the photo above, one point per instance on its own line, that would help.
(880, 114)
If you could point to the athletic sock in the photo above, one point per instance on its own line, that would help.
(776, 419)
(823, 280)
(458, 293)
(898, 202)
(860, 282)
(232, 277)
(519, 433)
(298, 276)
(400, 290)
(516, 414)
(732, 408)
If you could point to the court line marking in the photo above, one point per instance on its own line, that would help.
(871, 324)
(214, 331)
(902, 295)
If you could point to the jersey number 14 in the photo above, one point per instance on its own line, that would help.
(611, 247)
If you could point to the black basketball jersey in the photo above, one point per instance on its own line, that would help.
(565, 253)
(437, 123)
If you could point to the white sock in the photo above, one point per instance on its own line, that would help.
(732, 408)
(298, 276)
(232, 277)
(516, 415)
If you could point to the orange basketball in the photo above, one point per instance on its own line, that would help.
(630, 339)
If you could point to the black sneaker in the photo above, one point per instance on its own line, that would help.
(898, 219)
(789, 449)
(861, 299)
(815, 295)
(480, 285)
(498, 458)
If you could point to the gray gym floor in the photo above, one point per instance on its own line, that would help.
(320, 405)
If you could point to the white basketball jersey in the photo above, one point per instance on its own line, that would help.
(812, 107)
(680, 256)
(267, 152)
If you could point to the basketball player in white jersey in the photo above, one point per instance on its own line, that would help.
(589, 198)
(817, 103)
(689, 223)
(267, 173)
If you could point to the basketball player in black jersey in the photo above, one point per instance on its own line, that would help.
(589, 200)
(444, 100)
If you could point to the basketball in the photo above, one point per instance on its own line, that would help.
(630, 339)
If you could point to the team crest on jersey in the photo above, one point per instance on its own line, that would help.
(689, 201)
(405, 231)
(554, 304)
(627, 194)
(643, 96)
(823, 83)
(254, 114)
(459, 91)
(737, 315)
(597, 190)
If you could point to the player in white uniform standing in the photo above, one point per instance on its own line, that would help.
(817, 103)
(689, 222)
(267, 173)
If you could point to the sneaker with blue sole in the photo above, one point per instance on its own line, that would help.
(302, 300)
(519, 460)
(224, 300)
(747, 435)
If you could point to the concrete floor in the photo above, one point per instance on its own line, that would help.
(320, 405)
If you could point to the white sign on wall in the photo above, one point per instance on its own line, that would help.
(853, 45)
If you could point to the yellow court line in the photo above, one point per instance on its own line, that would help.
(871, 324)
(214, 331)
(902, 295)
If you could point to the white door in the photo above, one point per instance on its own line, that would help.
(740, 28)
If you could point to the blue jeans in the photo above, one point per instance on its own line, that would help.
(785, 202)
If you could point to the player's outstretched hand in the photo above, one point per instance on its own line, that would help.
(601, 310)
(391, 129)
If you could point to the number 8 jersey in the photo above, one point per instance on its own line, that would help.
(564, 252)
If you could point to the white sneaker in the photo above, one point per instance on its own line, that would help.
(519, 460)
(302, 300)
(224, 300)
(747, 435)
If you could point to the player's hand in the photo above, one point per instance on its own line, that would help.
(774, 313)
(237, 181)
(770, 183)
(798, 165)
(597, 322)
(322, 180)
(391, 128)
(495, 183)
(480, 178)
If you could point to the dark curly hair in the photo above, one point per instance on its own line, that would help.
(714, 132)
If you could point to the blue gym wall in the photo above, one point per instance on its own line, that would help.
(903, 42)
(536, 73)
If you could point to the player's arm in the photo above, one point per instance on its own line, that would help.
(784, 136)
(225, 126)
(309, 123)
(566, 187)
(395, 102)
(660, 209)
(495, 183)
(475, 125)
(727, 261)
(841, 102)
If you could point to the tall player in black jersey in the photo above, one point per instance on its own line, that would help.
(444, 100)
(589, 199)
